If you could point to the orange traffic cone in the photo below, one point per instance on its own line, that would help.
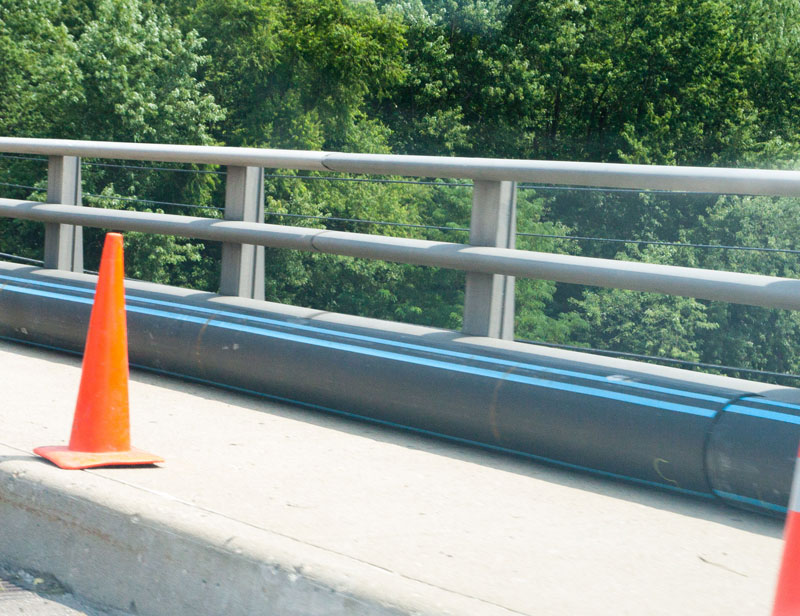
(100, 429)
(787, 596)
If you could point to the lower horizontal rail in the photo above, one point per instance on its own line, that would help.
(750, 289)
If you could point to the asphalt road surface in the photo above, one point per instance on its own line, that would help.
(32, 594)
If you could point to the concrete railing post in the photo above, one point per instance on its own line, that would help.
(63, 244)
(243, 264)
(489, 298)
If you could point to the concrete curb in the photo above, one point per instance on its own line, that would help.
(126, 548)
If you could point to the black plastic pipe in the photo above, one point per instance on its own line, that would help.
(703, 435)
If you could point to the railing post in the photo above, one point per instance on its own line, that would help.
(63, 244)
(489, 298)
(243, 264)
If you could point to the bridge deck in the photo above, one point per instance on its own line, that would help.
(266, 508)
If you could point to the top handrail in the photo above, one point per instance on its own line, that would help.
(723, 180)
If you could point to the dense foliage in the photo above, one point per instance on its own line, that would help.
(689, 82)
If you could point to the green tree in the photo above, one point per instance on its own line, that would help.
(140, 78)
(749, 336)
(644, 323)
(129, 76)
(296, 73)
(140, 83)
(39, 73)
(469, 90)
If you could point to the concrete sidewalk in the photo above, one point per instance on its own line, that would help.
(263, 508)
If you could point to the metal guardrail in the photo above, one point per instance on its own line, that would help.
(490, 259)
(605, 175)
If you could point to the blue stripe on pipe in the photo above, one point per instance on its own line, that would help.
(396, 343)
(750, 501)
(762, 413)
(49, 294)
(390, 355)
(757, 400)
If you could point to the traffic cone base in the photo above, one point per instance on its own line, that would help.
(66, 458)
